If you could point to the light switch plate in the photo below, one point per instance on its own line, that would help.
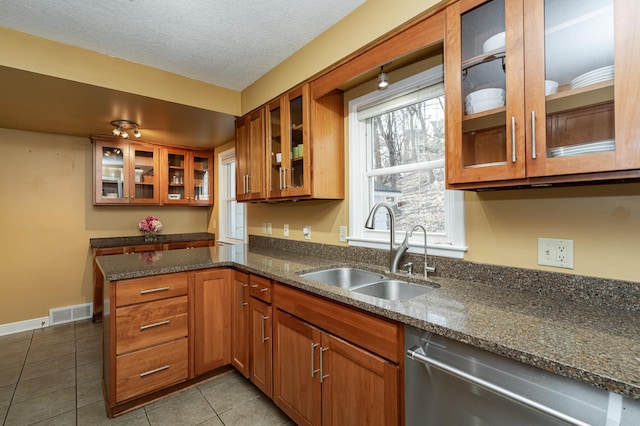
(343, 234)
(555, 252)
(269, 229)
(285, 230)
(306, 231)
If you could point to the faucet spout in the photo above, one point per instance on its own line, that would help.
(426, 268)
(394, 256)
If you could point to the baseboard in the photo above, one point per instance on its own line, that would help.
(26, 325)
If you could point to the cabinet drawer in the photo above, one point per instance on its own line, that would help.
(260, 288)
(150, 369)
(139, 290)
(148, 324)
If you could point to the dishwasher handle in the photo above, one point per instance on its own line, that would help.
(416, 354)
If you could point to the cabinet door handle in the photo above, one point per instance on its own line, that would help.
(322, 375)
(284, 171)
(513, 139)
(264, 339)
(313, 350)
(154, 290)
(533, 135)
(248, 183)
(157, 324)
(155, 370)
(242, 301)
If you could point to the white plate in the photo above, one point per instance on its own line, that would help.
(592, 77)
(585, 148)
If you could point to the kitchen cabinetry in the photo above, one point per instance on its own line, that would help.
(305, 144)
(250, 157)
(584, 131)
(187, 177)
(334, 364)
(146, 336)
(124, 172)
(240, 323)
(212, 319)
(261, 342)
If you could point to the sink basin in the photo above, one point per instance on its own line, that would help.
(392, 290)
(344, 277)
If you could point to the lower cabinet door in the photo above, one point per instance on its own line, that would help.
(296, 367)
(358, 387)
(150, 369)
(240, 323)
(261, 344)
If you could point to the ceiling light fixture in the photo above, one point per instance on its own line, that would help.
(382, 79)
(120, 128)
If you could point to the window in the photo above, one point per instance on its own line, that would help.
(231, 214)
(397, 156)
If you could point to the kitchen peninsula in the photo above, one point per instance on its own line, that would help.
(575, 339)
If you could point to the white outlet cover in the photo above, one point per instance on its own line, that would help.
(343, 234)
(555, 252)
(285, 230)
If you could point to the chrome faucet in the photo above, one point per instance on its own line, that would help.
(395, 252)
(426, 268)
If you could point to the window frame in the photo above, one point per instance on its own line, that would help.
(452, 243)
(226, 196)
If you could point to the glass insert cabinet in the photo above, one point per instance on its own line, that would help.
(535, 89)
(137, 173)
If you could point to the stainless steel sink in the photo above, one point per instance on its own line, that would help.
(344, 277)
(392, 290)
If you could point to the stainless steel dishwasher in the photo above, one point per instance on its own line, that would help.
(451, 383)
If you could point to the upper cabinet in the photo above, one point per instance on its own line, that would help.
(188, 177)
(250, 155)
(304, 148)
(536, 96)
(137, 173)
(124, 172)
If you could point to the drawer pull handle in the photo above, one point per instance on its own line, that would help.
(263, 290)
(155, 370)
(322, 375)
(145, 327)
(264, 338)
(154, 290)
(313, 369)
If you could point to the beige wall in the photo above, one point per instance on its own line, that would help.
(47, 218)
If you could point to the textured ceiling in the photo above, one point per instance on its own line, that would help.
(228, 43)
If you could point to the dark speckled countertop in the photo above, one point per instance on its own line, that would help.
(585, 342)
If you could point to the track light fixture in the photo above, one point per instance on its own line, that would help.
(382, 79)
(120, 128)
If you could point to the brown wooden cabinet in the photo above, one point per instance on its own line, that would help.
(583, 132)
(146, 337)
(250, 157)
(124, 172)
(240, 323)
(212, 319)
(261, 339)
(334, 364)
(187, 177)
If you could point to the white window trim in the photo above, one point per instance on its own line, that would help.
(453, 245)
(224, 158)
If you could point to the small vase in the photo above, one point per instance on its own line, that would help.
(150, 236)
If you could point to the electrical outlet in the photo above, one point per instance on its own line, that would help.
(343, 234)
(306, 231)
(285, 230)
(269, 229)
(264, 227)
(555, 252)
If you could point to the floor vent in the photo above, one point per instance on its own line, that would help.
(70, 313)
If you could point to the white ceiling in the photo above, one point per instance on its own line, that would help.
(228, 43)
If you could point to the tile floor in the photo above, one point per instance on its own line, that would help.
(52, 376)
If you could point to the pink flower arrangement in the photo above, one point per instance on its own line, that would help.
(150, 224)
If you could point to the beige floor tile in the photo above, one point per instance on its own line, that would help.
(45, 338)
(64, 419)
(228, 391)
(15, 337)
(41, 407)
(54, 382)
(89, 343)
(89, 392)
(3, 413)
(87, 328)
(89, 372)
(10, 376)
(13, 354)
(42, 353)
(95, 415)
(6, 393)
(215, 421)
(43, 368)
(89, 356)
(256, 412)
(190, 408)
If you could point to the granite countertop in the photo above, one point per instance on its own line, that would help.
(576, 340)
(139, 239)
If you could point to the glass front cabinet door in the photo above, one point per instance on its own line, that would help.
(187, 177)
(125, 173)
(538, 90)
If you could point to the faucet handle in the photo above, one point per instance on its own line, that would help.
(408, 267)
